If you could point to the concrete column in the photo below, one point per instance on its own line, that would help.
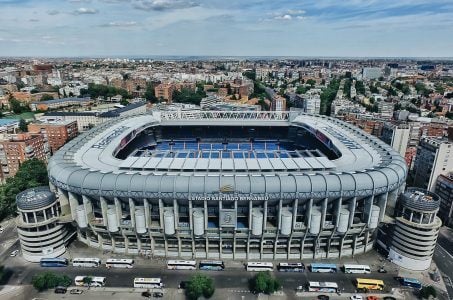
(250, 215)
(352, 206)
(191, 218)
(206, 213)
(73, 203)
(382, 203)
(308, 214)
(324, 212)
(118, 209)
(132, 211)
(35, 219)
(64, 202)
(104, 207)
(176, 212)
(161, 214)
(295, 205)
(88, 206)
(147, 213)
(279, 219)
(264, 217)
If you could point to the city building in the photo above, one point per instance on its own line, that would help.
(164, 91)
(434, 157)
(396, 136)
(308, 103)
(17, 148)
(87, 120)
(278, 104)
(241, 185)
(444, 189)
(415, 233)
(59, 103)
(40, 224)
(371, 73)
(57, 133)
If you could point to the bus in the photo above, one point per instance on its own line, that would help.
(411, 282)
(357, 269)
(369, 284)
(53, 262)
(291, 267)
(86, 262)
(119, 263)
(95, 281)
(212, 265)
(326, 287)
(259, 266)
(181, 264)
(323, 268)
(148, 283)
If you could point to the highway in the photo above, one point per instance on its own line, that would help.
(444, 258)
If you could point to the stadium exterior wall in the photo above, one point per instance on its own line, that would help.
(227, 202)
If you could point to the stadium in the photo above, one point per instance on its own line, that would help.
(233, 185)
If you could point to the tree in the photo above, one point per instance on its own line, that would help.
(188, 96)
(124, 102)
(16, 106)
(427, 291)
(311, 82)
(49, 280)
(23, 125)
(46, 97)
(87, 280)
(149, 93)
(31, 173)
(263, 282)
(200, 285)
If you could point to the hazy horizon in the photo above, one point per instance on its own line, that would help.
(253, 28)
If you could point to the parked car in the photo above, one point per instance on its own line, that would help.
(14, 253)
(372, 298)
(356, 297)
(158, 294)
(183, 285)
(382, 270)
(60, 290)
(435, 276)
(75, 292)
(146, 294)
(323, 297)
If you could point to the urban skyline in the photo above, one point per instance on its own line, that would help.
(178, 27)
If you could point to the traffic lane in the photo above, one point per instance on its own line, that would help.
(5, 257)
(346, 282)
(445, 264)
(238, 279)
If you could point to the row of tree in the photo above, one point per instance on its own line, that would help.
(31, 173)
(328, 95)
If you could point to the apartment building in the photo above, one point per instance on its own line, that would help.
(396, 136)
(17, 148)
(444, 189)
(57, 133)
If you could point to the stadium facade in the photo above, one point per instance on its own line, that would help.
(233, 185)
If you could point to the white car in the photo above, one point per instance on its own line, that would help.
(14, 253)
(356, 297)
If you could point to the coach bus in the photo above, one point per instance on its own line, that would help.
(259, 266)
(86, 262)
(323, 268)
(369, 284)
(181, 265)
(326, 287)
(53, 262)
(411, 282)
(119, 263)
(212, 265)
(95, 281)
(148, 283)
(291, 267)
(357, 269)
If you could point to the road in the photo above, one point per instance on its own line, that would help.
(444, 258)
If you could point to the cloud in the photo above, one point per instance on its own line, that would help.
(161, 5)
(289, 15)
(120, 24)
(33, 20)
(283, 17)
(85, 11)
(79, 1)
(53, 12)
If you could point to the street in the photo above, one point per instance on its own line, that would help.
(444, 258)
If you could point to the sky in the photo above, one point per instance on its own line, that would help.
(338, 28)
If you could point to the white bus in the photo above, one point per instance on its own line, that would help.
(327, 287)
(357, 269)
(119, 263)
(148, 283)
(181, 264)
(95, 281)
(259, 266)
(86, 262)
